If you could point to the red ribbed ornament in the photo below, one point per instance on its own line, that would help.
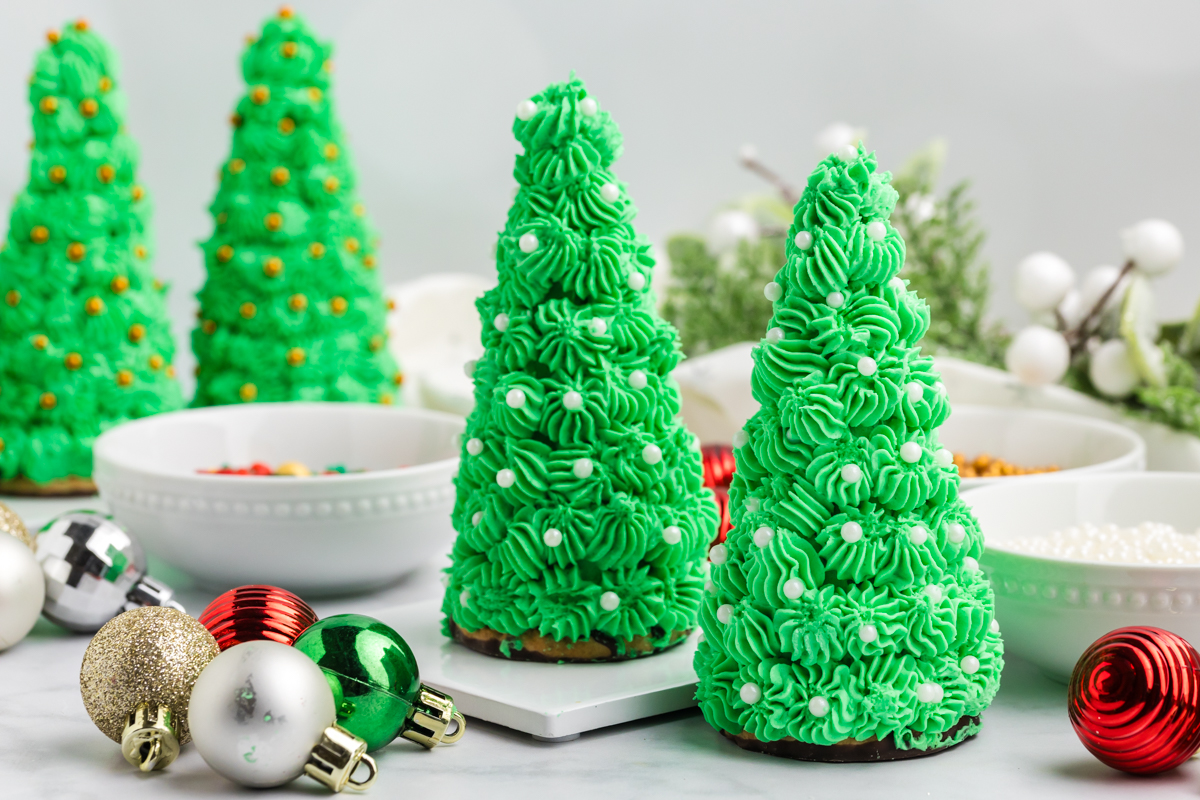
(1134, 700)
(249, 613)
(718, 463)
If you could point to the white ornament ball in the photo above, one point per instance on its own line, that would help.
(803, 240)
(526, 109)
(835, 299)
(763, 536)
(587, 107)
(876, 231)
(867, 366)
(1155, 246)
(552, 537)
(637, 281)
(609, 601)
(775, 335)
(1043, 280)
(528, 243)
(717, 554)
(1096, 283)
(930, 692)
(731, 227)
(501, 322)
(911, 452)
(572, 400)
(22, 590)
(652, 454)
(1111, 369)
(750, 693)
(474, 446)
(505, 478)
(969, 665)
(610, 192)
(725, 614)
(955, 532)
(818, 706)
(917, 535)
(582, 468)
(851, 473)
(672, 534)
(851, 532)
(258, 710)
(773, 291)
(638, 380)
(868, 633)
(515, 398)
(793, 588)
(1038, 356)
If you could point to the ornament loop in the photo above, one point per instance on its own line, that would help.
(430, 716)
(373, 772)
(148, 741)
(335, 758)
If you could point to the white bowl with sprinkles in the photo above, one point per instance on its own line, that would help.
(1072, 558)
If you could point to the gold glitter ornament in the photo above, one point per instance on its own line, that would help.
(13, 525)
(137, 679)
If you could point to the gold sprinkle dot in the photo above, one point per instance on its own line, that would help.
(137, 193)
(119, 284)
(316, 250)
(287, 125)
(73, 361)
(359, 209)
(57, 173)
(106, 173)
(236, 166)
(105, 84)
(338, 306)
(248, 392)
(89, 107)
(385, 399)
(369, 261)
(295, 356)
(124, 377)
(222, 218)
(235, 120)
(40, 342)
(170, 370)
(315, 94)
(398, 379)
(332, 184)
(352, 245)
(76, 251)
(81, 25)
(48, 105)
(376, 343)
(248, 310)
(139, 251)
(273, 221)
(137, 332)
(224, 253)
(289, 49)
(260, 95)
(156, 361)
(47, 401)
(286, 12)
(40, 234)
(331, 152)
(52, 37)
(273, 267)
(391, 304)
(94, 306)
(280, 176)
(13, 298)
(297, 302)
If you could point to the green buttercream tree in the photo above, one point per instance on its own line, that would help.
(847, 618)
(582, 522)
(293, 307)
(84, 338)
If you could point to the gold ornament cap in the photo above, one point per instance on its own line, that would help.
(336, 757)
(429, 718)
(13, 525)
(148, 741)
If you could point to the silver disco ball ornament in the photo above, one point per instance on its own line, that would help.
(94, 570)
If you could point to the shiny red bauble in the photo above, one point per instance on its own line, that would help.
(719, 466)
(1134, 700)
(250, 613)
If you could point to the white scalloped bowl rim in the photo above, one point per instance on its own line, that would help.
(1019, 435)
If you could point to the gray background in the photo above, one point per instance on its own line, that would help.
(1072, 118)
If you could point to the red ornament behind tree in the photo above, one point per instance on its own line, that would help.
(719, 466)
(1134, 700)
(249, 613)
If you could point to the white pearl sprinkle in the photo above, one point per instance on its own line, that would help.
(599, 327)
(934, 593)
(552, 537)
(930, 692)
(609, 601)
(818, 706)
(1147, 543)
(898, 285)
(868, 633)
(763, 536)
(753, 504)
(582, 468)
(474, 446)
(572, 400)
(465, 597)
(740, 438)
(955, 532)
(915, 392)
(775, 335)
(501, 322)
(750, 693)
(851, 473)
(638, 380)
(672, 534)
(867, 366)
(515, 398)
(969, 665)
(445, 579)
(469, 368)
(610, 192)
(994, 626)
(526, 109)
(710, 587)
(773, 291)
(793, 588)
(851, 532)
(717, 554)
(876, 231)
(652, 454)
(803, 240)
(835, 299)
(637, 281)
(917, 535)
(970, 564)
(506, 478)
(847, 152)
(587, 107)
(944, 458)
(477, 518)
(911, 452)
(528, 243)
(725, 614)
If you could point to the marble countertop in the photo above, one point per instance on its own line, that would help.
(50, 749)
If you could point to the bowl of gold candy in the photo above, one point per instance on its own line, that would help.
(1074, 557)
(1004, 444)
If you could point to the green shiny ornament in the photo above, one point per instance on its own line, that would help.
(376, 684)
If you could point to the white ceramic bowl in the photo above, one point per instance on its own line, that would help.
(1030, 438)
(322, 534)
(1051, 609)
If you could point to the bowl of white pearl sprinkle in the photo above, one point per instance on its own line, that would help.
(1073, 557)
